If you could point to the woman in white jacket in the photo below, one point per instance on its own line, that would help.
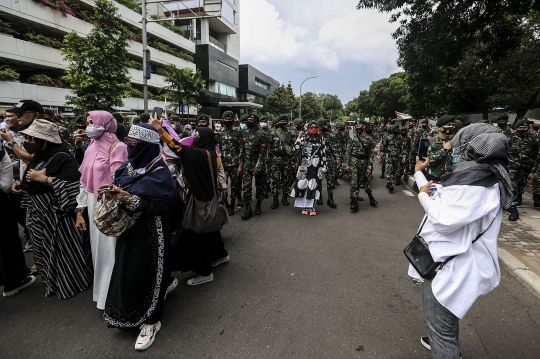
(468, 202)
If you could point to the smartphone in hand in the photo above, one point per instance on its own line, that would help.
(423, 146)
(158, 111)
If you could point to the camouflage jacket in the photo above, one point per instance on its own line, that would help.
(67, 138)
(391, 146)
(507, 131)
(277, 142)
(253, 149)
(406, 146)
(440, 160)
(360, 151)
(523, 151)
(340, 145)
(330, 145)
(230, 144)
(184, 134)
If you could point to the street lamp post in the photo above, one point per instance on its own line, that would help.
(145, 56)
(312, 77)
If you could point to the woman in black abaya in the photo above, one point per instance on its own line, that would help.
(198, 252)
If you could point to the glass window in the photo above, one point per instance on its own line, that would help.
(222, 89)
(227, 12)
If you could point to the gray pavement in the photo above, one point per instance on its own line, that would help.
(330, 286)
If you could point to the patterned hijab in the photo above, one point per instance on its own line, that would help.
(483, 160)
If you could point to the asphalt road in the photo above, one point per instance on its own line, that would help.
(330, 286)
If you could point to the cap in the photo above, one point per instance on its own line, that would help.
(298, 121)
(443, 120)
(26, 105)
(43, 130)
(522, 122)
(263, 118)
(393, 127)
(243, 118)
(339, 124)
(424, 121)
(203, 117)
(255, 117)
(48, 111)
(322, 122)
(79, 119)
(282, 117)
(117, 116)
(501, 116)
(227, 114)
(175, 118)
(145, 117)
(136, 119)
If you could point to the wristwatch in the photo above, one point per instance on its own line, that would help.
(10, 145)
(80, 210)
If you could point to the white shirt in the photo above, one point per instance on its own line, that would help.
(455, 216)
(6, 174)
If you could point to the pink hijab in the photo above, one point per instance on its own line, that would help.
(98, 167)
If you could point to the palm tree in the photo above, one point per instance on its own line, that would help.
(185, 85)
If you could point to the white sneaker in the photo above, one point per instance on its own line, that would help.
(11, 290)
(200, 279)
(170, 288)
(147, 335)
(220, 261)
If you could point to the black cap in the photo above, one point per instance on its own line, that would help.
(26, 106)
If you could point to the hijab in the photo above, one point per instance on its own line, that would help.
(167, 126)
(93, 175)
(140, 172)
(483, 160)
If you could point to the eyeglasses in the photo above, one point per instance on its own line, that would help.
(313, 127)
(131, 141)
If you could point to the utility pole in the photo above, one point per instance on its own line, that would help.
(313, 77)
(146, 56)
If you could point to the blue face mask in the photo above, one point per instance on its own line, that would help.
(243, 126)
(455, 156)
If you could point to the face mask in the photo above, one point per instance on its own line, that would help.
(202, 124)
(456, 151)
(95, 131)
(395, 132)
(82, 127)
(227, 123)
(411, 126)
(32, 148)
(250, 124)
(298, 128)
(282, 125)
(359, 130)
(217, 127)
(449, 130)
(264, 125)
(243, 126)
(369, 131)
(324, 129)
(521, 132)
(174, 127)
(501, 125)
(313, 131)
(424, 126)
(404, 134)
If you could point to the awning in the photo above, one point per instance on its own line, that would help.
(240, 104)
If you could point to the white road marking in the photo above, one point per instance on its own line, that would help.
(407, 193)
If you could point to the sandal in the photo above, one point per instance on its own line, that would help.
(304, 211)
(312, 212)
(33, 270)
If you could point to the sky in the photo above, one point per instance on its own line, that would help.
(291, 40)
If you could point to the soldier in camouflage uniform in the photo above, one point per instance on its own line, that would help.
(253, 142)
(391, 151)
(340, 147)
(502, 124)
(281, 158)
(522, 163)
(382, 134)
(405, 150)
(439, 154)
(65, 134)
(263, 124)
(229, 141)
(359, 162)
(330, 146)
(298, 126)
(413, 145)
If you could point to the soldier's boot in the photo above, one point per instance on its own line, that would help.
(354, 204)
(240, 202)
(266, 190)
(230, 210)
(320, 200)
(382, 174)
(514, 214)
(248, 213)
(275, 204)
(398, 181)
(336, 182)
(284, 199)
(390, 187)
(258, 210)
(519, 199)
(330, 201)
(536, 199)
(372, 200)
(387, 184)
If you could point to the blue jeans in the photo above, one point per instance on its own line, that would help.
(442, 326)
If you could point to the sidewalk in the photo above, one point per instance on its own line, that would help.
(519, 242)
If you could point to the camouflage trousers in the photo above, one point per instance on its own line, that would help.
(536, 182)
(518, 175)
(392, 168)
(247, 184)
(359, 177)
(236, 183)
(383, 164)
(330, 176)
(411, 162)
(281, 176)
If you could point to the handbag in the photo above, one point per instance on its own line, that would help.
(111, 218)
(203, 217)
(418, 254)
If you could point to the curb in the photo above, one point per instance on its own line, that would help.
(518, 269)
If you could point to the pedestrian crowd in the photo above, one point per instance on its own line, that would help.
(122, 207)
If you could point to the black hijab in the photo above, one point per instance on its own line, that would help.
(196, 168)
(57, 161)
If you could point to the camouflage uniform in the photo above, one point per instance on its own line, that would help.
(440, 160)
(523, 159)
(281, 162)
(359, 158)
(391, 147)
(67, 138)
(507, 131)
(229, 141)
(185, 133)
(405, 153)
(330, 145)
(253, 157)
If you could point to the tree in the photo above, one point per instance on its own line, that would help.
(333, 105)
(97, 70)
(185, 86)
(281, 101)
(389, 95)
(311, 106)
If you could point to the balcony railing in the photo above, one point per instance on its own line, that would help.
(217, 44)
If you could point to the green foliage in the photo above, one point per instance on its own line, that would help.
(45, 80)
(6, 27)
(8, 74)
(134, 64)
(281, 101)
(311, 107)
(168, 24)
(134, 92)
(183, 85)
(132, 4)
(97, 64)
(43, 40)
(170, 50)
(62, 6)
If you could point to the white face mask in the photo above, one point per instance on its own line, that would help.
(95, 131)
(264, 125)
(217, 127)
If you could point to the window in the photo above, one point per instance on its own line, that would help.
(262, 84)
(222, 89)
(227, 66)
(227, 12)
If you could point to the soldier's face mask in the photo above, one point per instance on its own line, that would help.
(502, 124)
(263, 124)
(448, 130)
(521, 132)
(228, 123)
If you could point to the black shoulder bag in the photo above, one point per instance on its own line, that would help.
(417, 252)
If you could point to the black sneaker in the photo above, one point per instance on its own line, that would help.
(10, 290)
(425, 342)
